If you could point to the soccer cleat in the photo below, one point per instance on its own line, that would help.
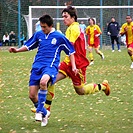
(107, 90)
(102, 56)
(131, 65)
(33, 110)
(45, 119)
(38, 116)
(119, 50)
(91, 63)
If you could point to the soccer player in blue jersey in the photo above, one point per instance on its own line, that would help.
(50, 43)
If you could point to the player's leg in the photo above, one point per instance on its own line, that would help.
(41, 111)
(49, 97)
(34, 87)
(117, 42)
(51, 88)
(130, 52)
(91, 55)
(99, 52)
(42, 92)
(112, 43)
(90, 88)
(93, 88)
(33, 95)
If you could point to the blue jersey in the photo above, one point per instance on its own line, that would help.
(113, 28)
(83, 27)
(49, 50)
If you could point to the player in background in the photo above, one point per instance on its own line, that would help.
(38, 26)
(82, 26)
(113, 31)
(127, 30)
(50, 43)
(93, 31)
(76, 37)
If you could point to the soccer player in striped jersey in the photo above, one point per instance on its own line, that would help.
(93, 31)
(76, 37)
(127, 30)
(50, 43)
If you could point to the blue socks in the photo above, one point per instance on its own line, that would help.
(41, 100)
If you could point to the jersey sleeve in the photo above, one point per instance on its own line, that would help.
(73, 33)
(87, 30)
(33, 42)
(68, 48)
(122, 29)
(98, 29)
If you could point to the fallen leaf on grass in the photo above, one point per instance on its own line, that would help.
(34, 130)
(65, 125)
(82, 125)
(22, 128)
(9, 96)
(11, 131)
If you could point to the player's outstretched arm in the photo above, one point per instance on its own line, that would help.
(72, 59)
(16, 50)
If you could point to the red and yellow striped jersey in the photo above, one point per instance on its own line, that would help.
(77, 38)
(127, 29)
(91, 31)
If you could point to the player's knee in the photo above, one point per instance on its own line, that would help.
(43, 84)
(79, 91)
(97, 52)
(32, 96)
(130, 52)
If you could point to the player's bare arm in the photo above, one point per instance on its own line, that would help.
(72, 59)
(16, 50)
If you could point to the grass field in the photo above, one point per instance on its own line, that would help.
(70, 113)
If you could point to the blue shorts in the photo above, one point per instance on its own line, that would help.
(37, 73)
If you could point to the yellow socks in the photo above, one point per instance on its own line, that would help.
(131, 58)
(91, 56)
(100, 53)
(50, 96)
(92, 88)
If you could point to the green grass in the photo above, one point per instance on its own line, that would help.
(70, 113)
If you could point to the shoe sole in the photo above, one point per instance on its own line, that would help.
(33, 110)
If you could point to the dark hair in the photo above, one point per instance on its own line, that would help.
(112, 17)
(92, 20)
(71, 11)
(128, 16)
(46, 19)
